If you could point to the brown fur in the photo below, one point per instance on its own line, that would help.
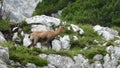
(47, 36)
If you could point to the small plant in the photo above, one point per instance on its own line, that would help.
(26, 27)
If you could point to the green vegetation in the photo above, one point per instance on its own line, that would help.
(26, 27)
(104, 12)
(51, 6)
(24, 55)
(5, 25)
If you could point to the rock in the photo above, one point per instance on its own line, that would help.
(44, 56)
(38, 45)
(49, 66)
(2, 39)
(39, 28)
(117, 42)
(107, 33)
(4, 54)
(110, 49)
(97, 28)
(75, 38)
(30, 65)
(98, 57)
(56, 45)
(44, 20)
(65, 41)
(60, 61)
(118, 66)
(77, 29)
(110, 62)
(3, 64)
(26, 40)
(97, 64)
(80, 62)
(20, 9)
(57, 15)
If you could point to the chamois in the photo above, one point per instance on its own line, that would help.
(46, 36)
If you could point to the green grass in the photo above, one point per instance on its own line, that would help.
(24, 55)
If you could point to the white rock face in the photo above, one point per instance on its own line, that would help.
(2, 39)
(18, 10)
(4, 54)
(26, 40)
(106, 32)
(44, 20)
(56, 45)
(77, 29)
(65, 42)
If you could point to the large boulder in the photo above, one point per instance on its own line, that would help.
(18, 10)
(2, 39)
(107, 33)
(43, 19)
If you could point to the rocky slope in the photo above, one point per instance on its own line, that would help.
(111, 59)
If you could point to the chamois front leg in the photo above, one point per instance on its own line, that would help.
(34, 41)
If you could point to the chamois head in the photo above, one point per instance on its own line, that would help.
(62, 26)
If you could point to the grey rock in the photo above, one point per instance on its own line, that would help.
(117, 42)
(65, 42)
(49, 66)
(77, 29)
(4, 54)
(18, 10)
(60, 61)
(2, 39)
(30, 65)
(75, 38)
(39, 28)
(98, 57)
(56, 45)
(3, 64)
(44, 20)
(26, 40)
(44, 56)
(80, 62)
(57, 15)
(107, 33)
